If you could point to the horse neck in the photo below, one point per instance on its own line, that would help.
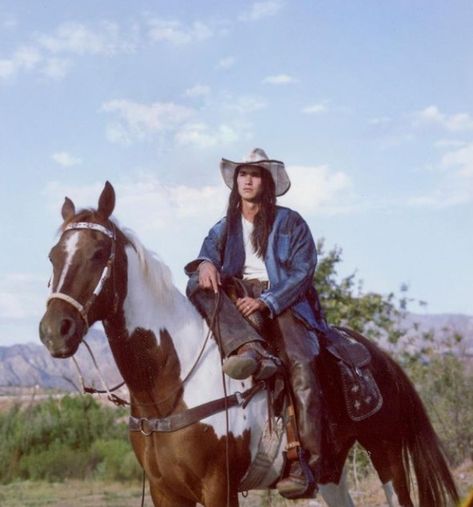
(159, 336)
(154, 303)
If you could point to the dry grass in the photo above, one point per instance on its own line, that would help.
(102, 494)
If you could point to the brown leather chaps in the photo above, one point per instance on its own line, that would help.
(290, 339)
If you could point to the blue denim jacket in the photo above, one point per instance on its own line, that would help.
(290, 261)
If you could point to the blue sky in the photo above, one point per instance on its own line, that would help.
(370, 105)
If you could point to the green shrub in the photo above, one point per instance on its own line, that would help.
(55, 464)
(115, 460)
(52, 440)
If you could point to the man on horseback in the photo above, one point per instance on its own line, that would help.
(257, 264)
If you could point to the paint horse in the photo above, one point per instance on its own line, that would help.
(158, 340)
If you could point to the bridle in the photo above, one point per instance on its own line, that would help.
(83, 309)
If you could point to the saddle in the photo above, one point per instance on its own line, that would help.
(362, 395)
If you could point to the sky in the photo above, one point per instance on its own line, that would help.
(368, 103)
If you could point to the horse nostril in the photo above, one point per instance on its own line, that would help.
(67, 327)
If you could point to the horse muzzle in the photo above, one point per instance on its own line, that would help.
(61, 332)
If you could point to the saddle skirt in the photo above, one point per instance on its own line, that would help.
(362, 395)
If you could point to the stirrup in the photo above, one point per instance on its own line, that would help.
(300, 482)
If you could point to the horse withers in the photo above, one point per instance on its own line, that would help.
(195, 433)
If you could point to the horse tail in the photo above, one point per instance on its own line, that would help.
(420, 445)
(422, 448)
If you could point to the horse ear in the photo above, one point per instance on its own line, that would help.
(68, 209)
(107, 200)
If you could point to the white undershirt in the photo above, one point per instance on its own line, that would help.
(254, 266)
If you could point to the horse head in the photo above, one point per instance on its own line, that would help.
(84, 285)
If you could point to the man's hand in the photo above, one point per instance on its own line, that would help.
(246, 306)
(209, 277)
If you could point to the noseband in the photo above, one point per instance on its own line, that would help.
(84, 309)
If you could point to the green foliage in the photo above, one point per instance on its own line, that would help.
(442, 379)
(115, 460)
(446, 386)
(53, 440)
(345, 303)
(54, 464)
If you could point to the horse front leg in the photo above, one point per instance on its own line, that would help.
(162, 498)
(217, 497)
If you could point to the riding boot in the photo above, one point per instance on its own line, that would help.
(298, 347)
(250, 359)
(307, 401)
(241, 346)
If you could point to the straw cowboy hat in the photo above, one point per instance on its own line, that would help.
(257, 157)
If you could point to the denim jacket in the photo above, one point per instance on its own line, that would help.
(290, 261)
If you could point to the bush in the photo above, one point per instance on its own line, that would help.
(55, 464)
(115, 460)
(53, 440)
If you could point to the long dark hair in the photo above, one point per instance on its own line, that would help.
(264, 219)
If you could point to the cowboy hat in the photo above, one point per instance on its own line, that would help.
(258, 158)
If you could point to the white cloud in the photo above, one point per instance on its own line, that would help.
(56, 68)
(24, 59)
(319, 108)
(462, 159)
(146, 203)
(176, 33)
(65, 159)
(455, 185)
(431, 115)
(226, 63)
(68, 39)
(280, 79)
(318, 189)
(246, 104)
(197, 91)
(263, 9)
(76, 38)
(138, 122)
(135, 120)
(201, 135)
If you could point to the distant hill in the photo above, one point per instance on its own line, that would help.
(31, 364)
(437, 332)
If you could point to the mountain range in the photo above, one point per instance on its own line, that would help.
(28, 365)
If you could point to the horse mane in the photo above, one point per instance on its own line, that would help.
(156, 274)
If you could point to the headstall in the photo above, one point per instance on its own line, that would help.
(84, 309)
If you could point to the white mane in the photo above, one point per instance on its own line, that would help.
(156, 274)
(156, 292)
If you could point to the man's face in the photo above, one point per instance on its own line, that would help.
(250, 183)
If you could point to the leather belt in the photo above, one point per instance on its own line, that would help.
(254, 281)
(174, 422)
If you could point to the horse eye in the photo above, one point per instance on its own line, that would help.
(98, 255)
